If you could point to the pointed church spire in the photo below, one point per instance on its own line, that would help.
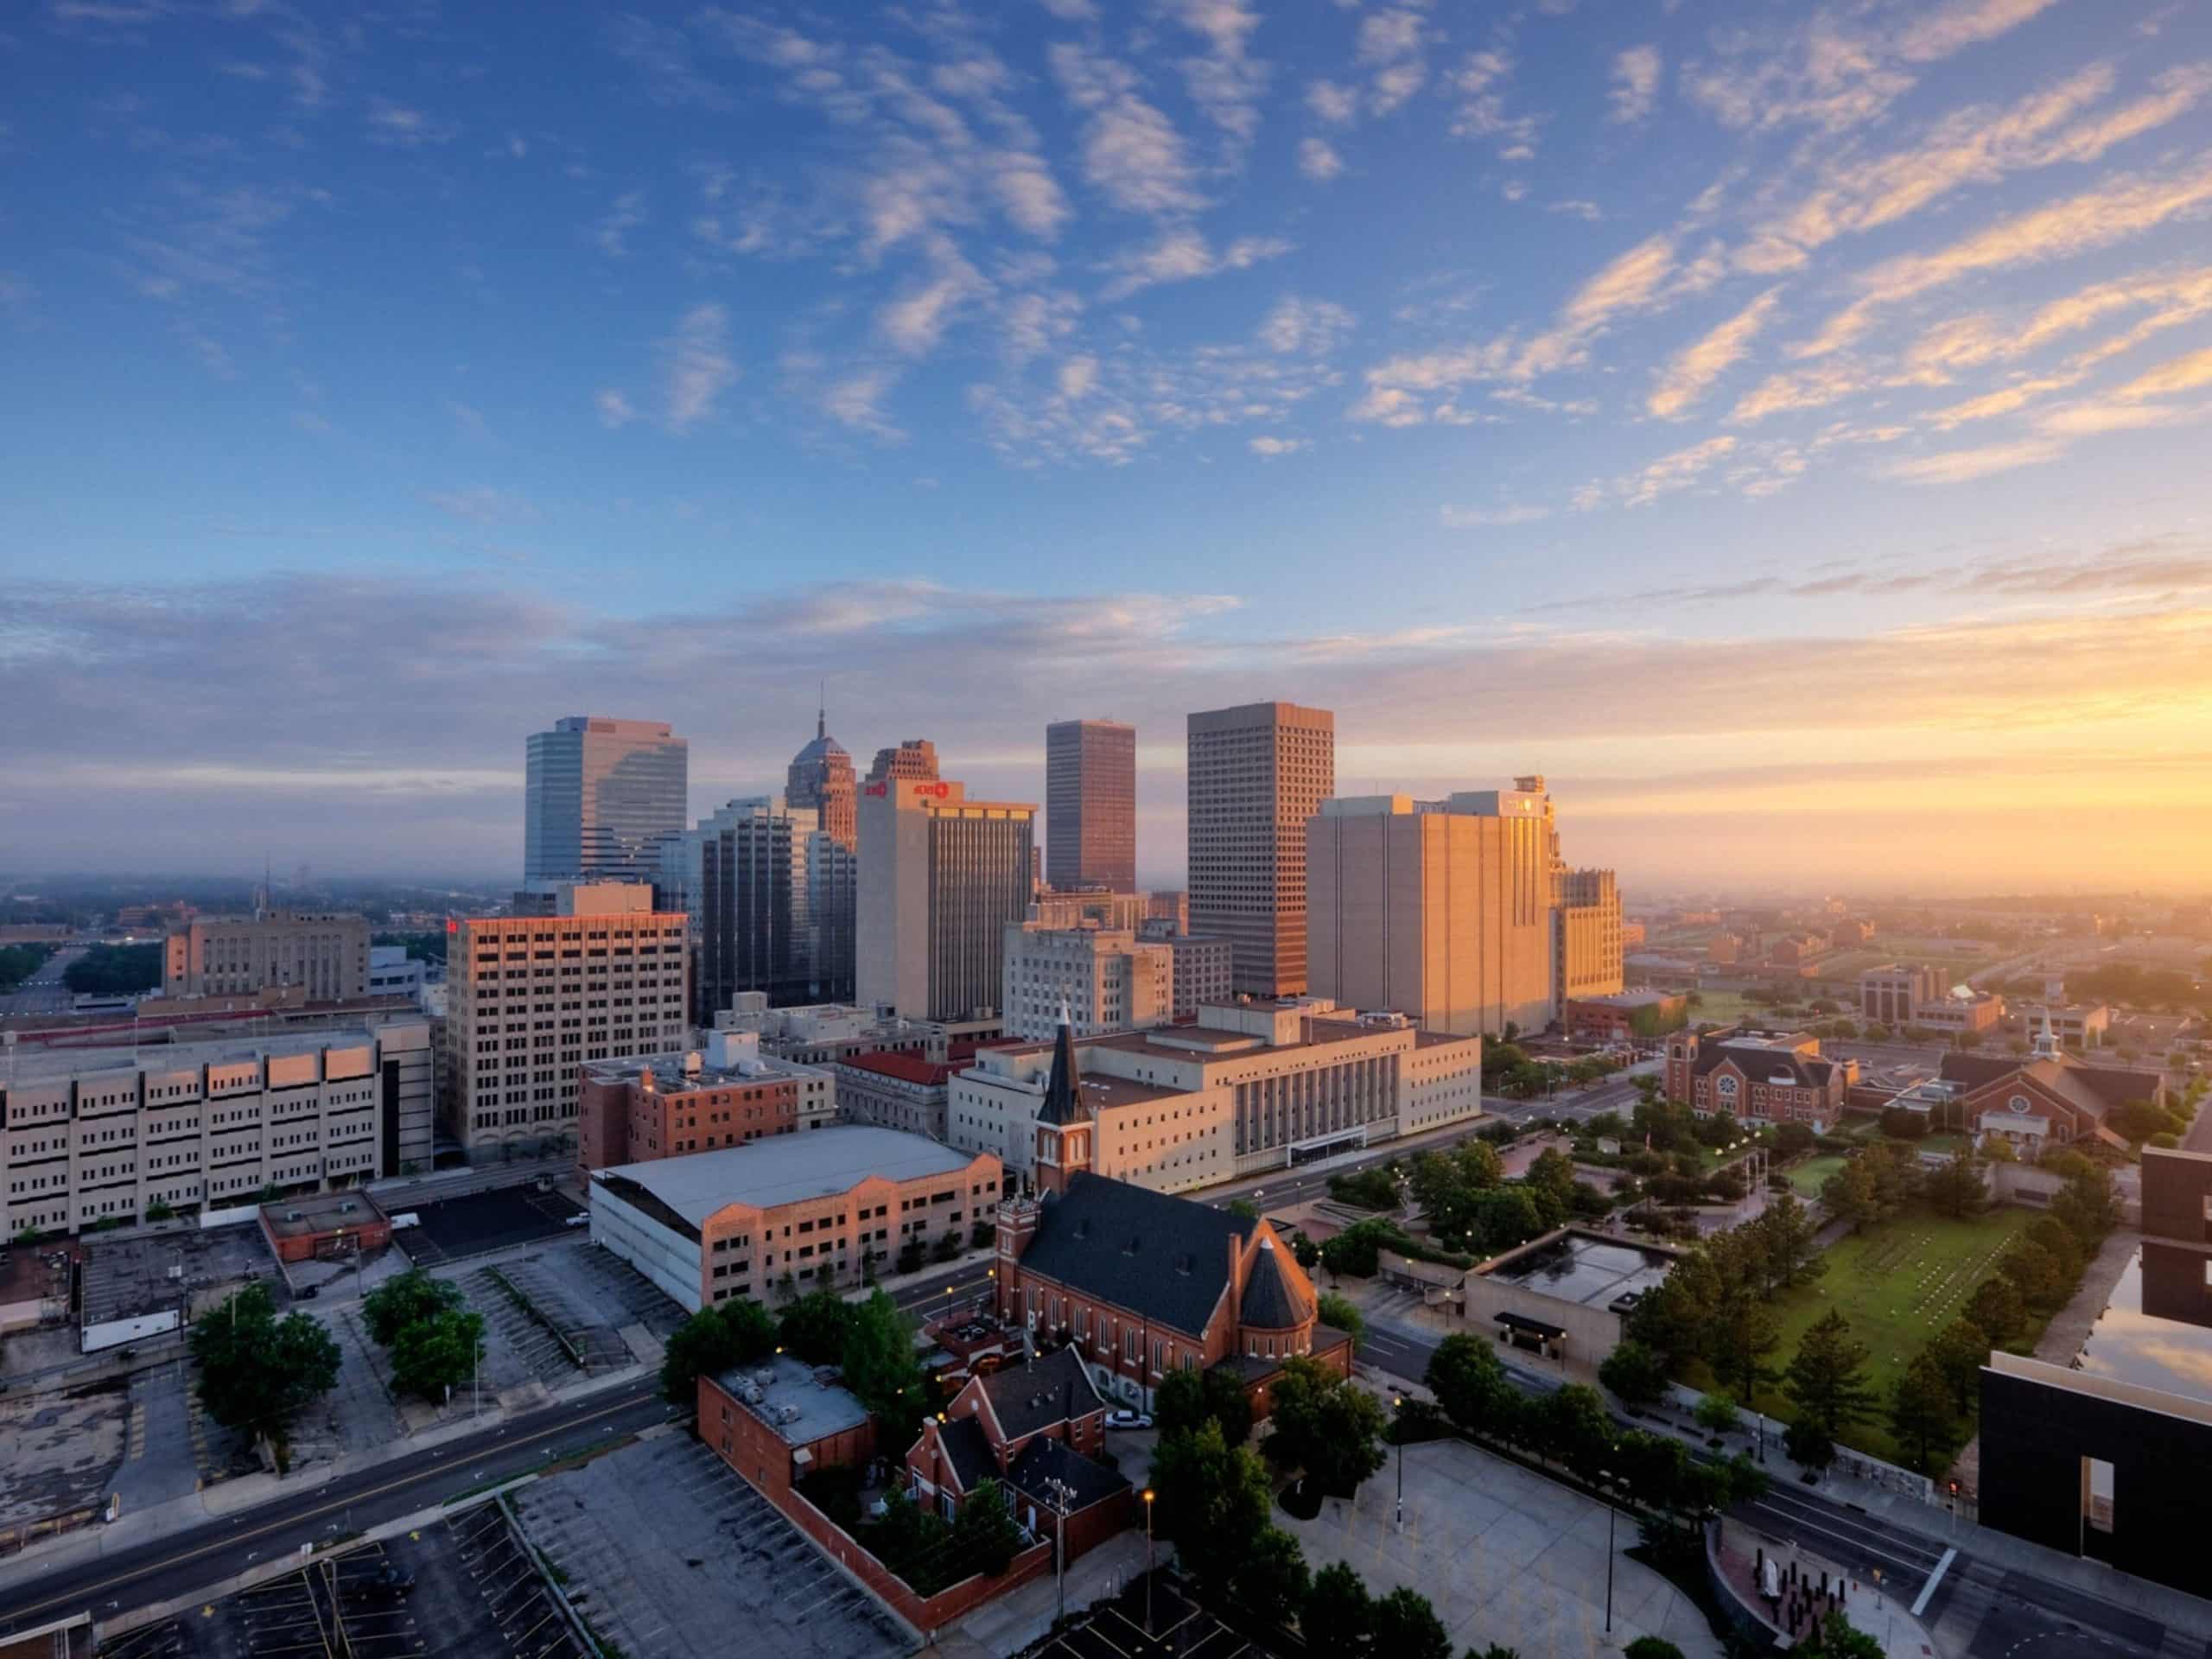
(2047, 1039)
(1063, 1090)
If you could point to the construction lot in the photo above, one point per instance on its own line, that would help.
(669, 1555)
(463, 1587)
(453, 1230)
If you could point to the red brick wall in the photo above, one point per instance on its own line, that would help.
(762, 1456)
(924, 1613)
(602, 1126)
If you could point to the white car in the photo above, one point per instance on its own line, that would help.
(1128, 1420)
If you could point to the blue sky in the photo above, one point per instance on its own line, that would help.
(1698, 400)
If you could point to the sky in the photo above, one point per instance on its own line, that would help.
(1782, 425)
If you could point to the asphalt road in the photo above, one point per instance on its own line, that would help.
(43, 992)
(189, 1561)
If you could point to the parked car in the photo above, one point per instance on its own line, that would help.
(1128, 1420)
(581, 1218)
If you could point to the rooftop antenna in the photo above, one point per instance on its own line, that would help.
(822, 708)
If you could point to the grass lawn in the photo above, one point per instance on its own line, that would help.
(1809, 1176)
(1898, 1284)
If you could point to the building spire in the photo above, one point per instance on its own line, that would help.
(1063, 1102)
(822, 711)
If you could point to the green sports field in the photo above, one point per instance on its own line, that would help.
(1898, 1284)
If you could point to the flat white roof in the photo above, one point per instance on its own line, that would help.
(788, 1168)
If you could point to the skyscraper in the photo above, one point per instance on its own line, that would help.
(1091, 805)
(1441, 911)
(1257, 773)
(820, 776)
(914, 760)
(771, 896)
(940, 877)
(599, 795)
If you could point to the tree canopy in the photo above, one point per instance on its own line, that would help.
(257, 1370)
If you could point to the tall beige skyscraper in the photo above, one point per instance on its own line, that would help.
(940, 877)
(1438, 910)
(1256, 774)
(1091, 805)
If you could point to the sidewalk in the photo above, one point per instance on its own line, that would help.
(230, 1498)
(1870, 1607)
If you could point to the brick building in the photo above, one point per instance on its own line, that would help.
(727, 1094)
(1627, 1017)
(811, 1210)
(1769, 1077)
(1035, 1430)
(325, 1225)
(776, 1423)
(1140, 1283)
(2049, 1098)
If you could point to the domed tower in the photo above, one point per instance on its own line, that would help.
(820, 776)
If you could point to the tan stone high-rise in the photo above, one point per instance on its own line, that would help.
(913, 760)
(1438, 910)
(582, 971)
(1256, 774)
(327, 956)
(940, 877)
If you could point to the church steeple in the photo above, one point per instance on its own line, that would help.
(1064, 1120)
(2047, 1046)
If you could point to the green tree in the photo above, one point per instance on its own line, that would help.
(1573, 1426)
(2037, 1274)
(1186, 1399)
(115, 970)
(257, 1370)
(1507, 1216)
(880, 1367)
(1636, 1373)
(431, 1355)
(1956, 1187)
(1922, 1417)
(1272, 1580)
(1343, 1314)
(1355, 1253)
(814, 1326)
(1244, 1207)
(1959, 1350)
(709, 1343)
(1406, 1627)
(1851, 1195)
(1808, 1445)
(1717, 1413)
(1470, 1383)
(1827, 1378)
(985, 1536)
(1213, 1500)
(1741, 1335)
(1550, 1182)
(1787, 1235)
(407, 1299)
(1320, 1422)
(1838, 1638)
(1997, 1309)
(1337, 1615)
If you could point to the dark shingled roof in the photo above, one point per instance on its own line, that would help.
(1269, 1300)
(968, 1450)
(1044, 1392)
(1062, 1101)
(1762, 1064)
(1159, 1256)
(1044, 1460)
(2112, 1085)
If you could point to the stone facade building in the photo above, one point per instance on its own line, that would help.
(324, 955)
(1256, 774)
(1761, 1076)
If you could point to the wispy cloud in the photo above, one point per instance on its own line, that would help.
(1453, 518)
(613, 232)
(1318, 160)
(614, 408)
(1636, 82)
(1132, 153)
(696, 366)
(1691, 371)
(1185, 256)
(1268, 446)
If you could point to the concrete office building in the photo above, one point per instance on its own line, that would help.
(940, 877)
(103, 1135)
(770, 894)
(726, 1093)
(813, 1210)
(324, 955)
(1204, 971)
(1256, 774)
(1439, 910)
(893, 1092)
(1586, 943)
(830, 1032)
(594, 973)
(1091, 805)
(1169, 906)
(820, 776)
(913, 761)
(1127, 911)
(1103, 979)
(1284, 1082)
(598, 796)
(393, 972)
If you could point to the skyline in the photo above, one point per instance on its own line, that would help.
(1774, 427)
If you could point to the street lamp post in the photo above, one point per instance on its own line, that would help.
(1605, 1476)
(1398, 1405)
(1148, 1496)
